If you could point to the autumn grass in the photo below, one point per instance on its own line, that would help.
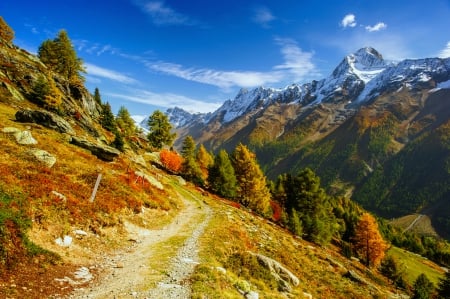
(413, 265)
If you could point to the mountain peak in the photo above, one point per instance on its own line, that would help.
(365, 64)
(367, 57)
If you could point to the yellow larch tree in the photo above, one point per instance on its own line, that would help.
(368, 241)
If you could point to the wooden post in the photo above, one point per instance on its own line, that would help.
(95, 188)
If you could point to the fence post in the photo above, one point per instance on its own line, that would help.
(95, 188)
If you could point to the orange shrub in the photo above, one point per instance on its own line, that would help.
(171, 160)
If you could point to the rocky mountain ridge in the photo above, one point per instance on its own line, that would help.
(358, 78)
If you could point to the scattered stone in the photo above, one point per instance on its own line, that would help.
(103, 152)
(80, 232)
(352, 275)
(181, 181)
(66, 241)
(44, 157)
(355, 259)
(221, 270)
(149, 179)
(58, 195)
(46, 119)
(119, 265)
(83, 274)
(24, 138)
(285, 277)
(307, 295)
(335, 264)
(10, 130)
(252, 295)
(139, 160)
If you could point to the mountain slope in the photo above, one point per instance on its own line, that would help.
(360, 123)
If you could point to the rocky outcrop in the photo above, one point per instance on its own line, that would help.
(44, 157)
(46, 119)
(24, 138)
(103, 152)
(285, 278)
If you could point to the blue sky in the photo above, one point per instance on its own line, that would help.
(154, 54)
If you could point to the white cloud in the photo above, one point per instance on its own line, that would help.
(161, 14)
(444, 53)
(167, 100)
(94, 48)
(263, 16)
(349, 21)
(377, 27)
(297, 65)
(296, 61)
(222, 79)
(97, 71)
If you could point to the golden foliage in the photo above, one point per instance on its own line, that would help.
(368, 242)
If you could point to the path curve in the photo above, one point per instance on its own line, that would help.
(128, 272)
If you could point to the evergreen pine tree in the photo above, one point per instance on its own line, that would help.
(97, 97)
(443, 289)
(423, 287)
(107, 119)
(118, 141)
(304, 194)
(252, 188)
(221, 176)
(160, 130)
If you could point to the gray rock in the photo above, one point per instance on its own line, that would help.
(252, 295)
(307, 295)
(285, 277)
(24, 138)
(10, 130)
(150, 179)
(352, 275)
(44, 157)
(46, 119)
(103, 152)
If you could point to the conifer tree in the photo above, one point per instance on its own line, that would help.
(204, 160)
(423, 287)
(304, 194)
(221, 176)
(160, 130)
(97, 97)
(107, 119)
(6, 33)
(443, 289)
(368, 241)
(190, 168)
(125, 122)
(118, 141)
(252, 188)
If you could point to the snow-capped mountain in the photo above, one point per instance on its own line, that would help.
(359, 77)
(179, 117)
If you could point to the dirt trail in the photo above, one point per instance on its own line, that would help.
(129, 274)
